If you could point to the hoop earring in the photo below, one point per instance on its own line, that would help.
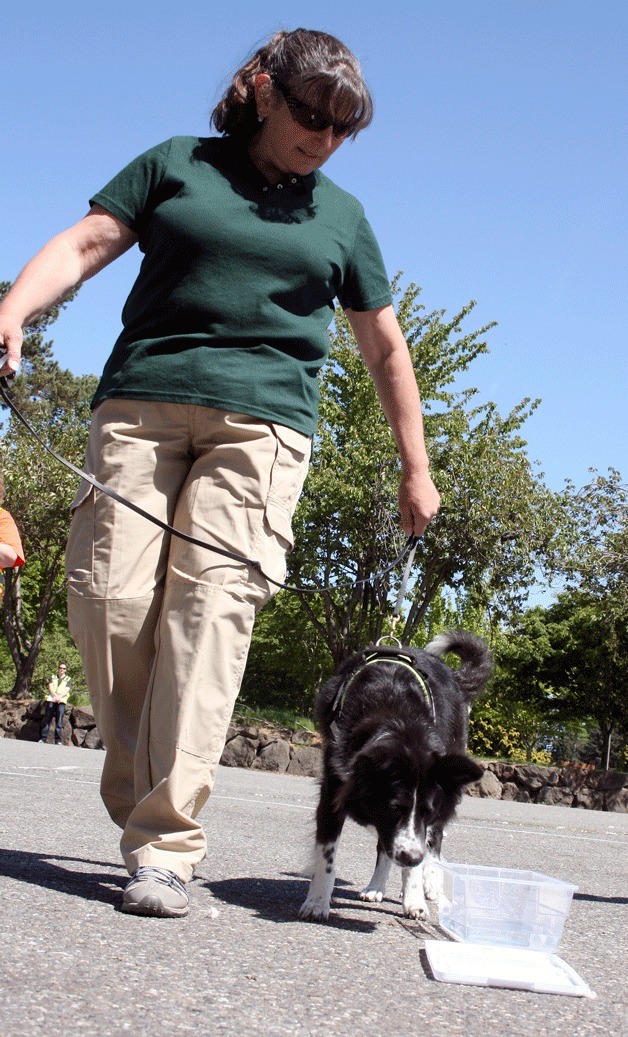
(260, 118)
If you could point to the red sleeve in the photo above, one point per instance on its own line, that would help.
(9, 535)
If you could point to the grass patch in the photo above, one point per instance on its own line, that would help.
(80, 699)
(285, 718)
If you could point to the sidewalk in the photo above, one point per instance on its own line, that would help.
(71, 964)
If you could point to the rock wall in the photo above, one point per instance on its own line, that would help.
(267, 749)
(570, 786)
(575, 786)
(299, 752)
(25, 720)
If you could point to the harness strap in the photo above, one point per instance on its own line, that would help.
(383, 655)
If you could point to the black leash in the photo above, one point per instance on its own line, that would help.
(402, 587)
(380, 653)
(410, 544)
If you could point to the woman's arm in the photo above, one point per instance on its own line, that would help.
(8, 556)
(72, 256)
(385, 352)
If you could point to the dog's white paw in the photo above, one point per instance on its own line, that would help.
(412, 895)
(373, 896)
(415, 909)
(431, 882)
(314, 909)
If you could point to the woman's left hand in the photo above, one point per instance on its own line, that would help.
(419, 501)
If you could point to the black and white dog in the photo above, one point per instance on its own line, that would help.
(394, 724)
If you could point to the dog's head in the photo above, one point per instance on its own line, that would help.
(408, 801)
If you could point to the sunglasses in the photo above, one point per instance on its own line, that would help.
(311, 118)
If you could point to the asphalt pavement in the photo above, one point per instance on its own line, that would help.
(72, 964)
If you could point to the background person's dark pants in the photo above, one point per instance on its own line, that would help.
(56, 710)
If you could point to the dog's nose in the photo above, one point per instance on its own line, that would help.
(405, 859)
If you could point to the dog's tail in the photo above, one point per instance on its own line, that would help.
(476, 662)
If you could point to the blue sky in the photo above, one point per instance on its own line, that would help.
(495, 170)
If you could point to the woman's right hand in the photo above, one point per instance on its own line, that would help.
(11, 337)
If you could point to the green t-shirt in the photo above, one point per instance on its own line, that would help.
(236, 289)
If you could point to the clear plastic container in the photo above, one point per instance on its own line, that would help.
(503, 906)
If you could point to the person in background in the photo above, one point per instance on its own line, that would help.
(59, 688)
(204, 417)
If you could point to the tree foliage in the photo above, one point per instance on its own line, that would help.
(288, 659)
(574, 653)
(562, 670)
(39, 492)
(588, 662)
(497, 524)
(594, 556)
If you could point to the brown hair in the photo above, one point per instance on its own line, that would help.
(328, 74)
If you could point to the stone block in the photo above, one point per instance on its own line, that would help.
(273, 757)
(588, 799)
(555, 797)
(239, 752)
(617, 801)
(509, 791)
(92, 740)
(609, 781)
(504, 771)
(82, 718)
(306, 760)
(488, 787)
(533, 777)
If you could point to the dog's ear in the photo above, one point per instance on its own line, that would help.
(454, 770)
(363, 775)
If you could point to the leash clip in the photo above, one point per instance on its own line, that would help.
(6, 379)
(390, 638)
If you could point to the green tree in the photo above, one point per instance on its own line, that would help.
(594, 555)
(559, 670)
(521, 699)
(587, 664)
(39, 372)
(288, 659)
(498, 522)
(594, 616)
(39, 492)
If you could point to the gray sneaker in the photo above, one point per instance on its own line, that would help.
(156, 892)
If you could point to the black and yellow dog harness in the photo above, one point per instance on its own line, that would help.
(383, 654)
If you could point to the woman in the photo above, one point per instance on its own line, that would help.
(204, 417)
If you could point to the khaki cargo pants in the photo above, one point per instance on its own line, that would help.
(163, 626)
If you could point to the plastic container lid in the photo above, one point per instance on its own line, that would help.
(488, 965)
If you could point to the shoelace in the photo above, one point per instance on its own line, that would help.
(167, 878)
